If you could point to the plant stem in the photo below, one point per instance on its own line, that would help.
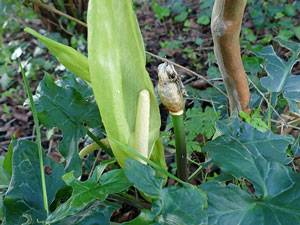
(103, 146)
(195, 174)
(269, 112)
(180, 143)
(130, 200)
(38, 139)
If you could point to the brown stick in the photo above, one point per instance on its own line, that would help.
(226, 23)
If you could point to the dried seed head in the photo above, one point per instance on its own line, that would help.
(168, 89)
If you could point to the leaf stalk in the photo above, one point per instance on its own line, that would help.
(180, 144)
(38, 139)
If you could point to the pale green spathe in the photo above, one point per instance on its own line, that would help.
(118, 75)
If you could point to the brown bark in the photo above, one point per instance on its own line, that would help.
(226, 23)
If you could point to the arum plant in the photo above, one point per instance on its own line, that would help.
(115, 69)
(170, 89)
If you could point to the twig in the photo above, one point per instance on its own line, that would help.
(287, 125)
(269, 104)
(95, 163)
(52, 9)
(204, 100)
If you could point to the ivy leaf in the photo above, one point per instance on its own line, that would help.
(189, 200)
(65, 108)
(88, 191)
(24, 198)
(236, 134)
(96, 212)
(280, 78)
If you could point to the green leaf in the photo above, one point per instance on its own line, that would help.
(82, 87)
(145, 217)
(290, 10)
(4, 177)
(7, 164)
(101, 167)
(190, 205)
(255, 120)
(280, 204)
(237, 133)
(161, 12)
(114, 181)
(96, 212)
(143, 178)
(65, 108)
(181, 17)
(199, 41)
(297, 32)
(88, 191)
(285, 34)
(201, 122)
(177, 205)
(24, 198)
(203, 20)
(280, 78)
(117, 67)
(189, 200)
(69, 57)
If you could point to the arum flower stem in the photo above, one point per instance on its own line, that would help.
(38, 139)
(180, 144)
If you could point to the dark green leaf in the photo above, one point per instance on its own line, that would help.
(190, 205)
(24, 197)
(233, 204)
(94, 213)
(85, 192)
(114, 181)
(238, 134)
(177, 205)
(143, 178)
(172, 205)
(64, 107)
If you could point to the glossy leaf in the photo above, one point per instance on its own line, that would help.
(145, 181)
(94, 213)
(65, 108)
(69, 57)
(118, 74)
(88, 191)
(277, 194)
(280, 78)
(24, 198)
(238, 134)
(280, 205)
(171, 205)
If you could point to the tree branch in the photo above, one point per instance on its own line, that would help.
(226, 26)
